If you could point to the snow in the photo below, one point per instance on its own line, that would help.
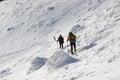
(59, 59)
(29, 52)
(36, 64)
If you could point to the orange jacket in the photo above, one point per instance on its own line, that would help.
(68, 39)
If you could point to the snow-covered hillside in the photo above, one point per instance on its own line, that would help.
(29, 52)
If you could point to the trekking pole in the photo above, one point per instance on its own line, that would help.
(67, 47)
(57, 46)
(77, 42)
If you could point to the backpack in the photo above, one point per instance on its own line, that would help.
(72, 38)
(61, 39)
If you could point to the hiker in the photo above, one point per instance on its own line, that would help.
(72, 39)
(61, 41)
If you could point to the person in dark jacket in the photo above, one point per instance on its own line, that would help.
(61, 41)
(72, 39)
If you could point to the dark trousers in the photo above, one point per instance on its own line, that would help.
(61, 46)
(73, 45)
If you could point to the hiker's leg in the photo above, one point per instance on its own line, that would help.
(74, 47)
(71, 44)
(62, 46)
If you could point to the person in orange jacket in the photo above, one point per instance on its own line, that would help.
(72, 39)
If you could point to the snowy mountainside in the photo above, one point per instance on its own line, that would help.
(28, 19)
(27, 29)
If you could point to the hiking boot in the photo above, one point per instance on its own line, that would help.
(72, 52)
(75, 50)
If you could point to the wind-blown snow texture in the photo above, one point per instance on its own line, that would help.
(59, 59)
(27, 28)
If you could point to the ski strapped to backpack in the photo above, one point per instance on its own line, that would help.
(54, 38)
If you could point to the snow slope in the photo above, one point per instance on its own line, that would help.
(27, 46)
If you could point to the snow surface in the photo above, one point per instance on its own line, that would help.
(59, 59)
(29, 52)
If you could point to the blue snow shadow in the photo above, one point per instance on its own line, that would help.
(59, 59)
(88, 47)
(36, 64)
(77, 28)
(5, 72)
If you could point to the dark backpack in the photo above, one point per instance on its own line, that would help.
(61, 39)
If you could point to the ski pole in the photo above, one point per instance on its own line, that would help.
(57, 46)
(67, 47)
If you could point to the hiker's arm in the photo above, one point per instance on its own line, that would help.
(68, 38)
(75, 37)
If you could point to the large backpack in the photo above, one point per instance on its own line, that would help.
(72, 38)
